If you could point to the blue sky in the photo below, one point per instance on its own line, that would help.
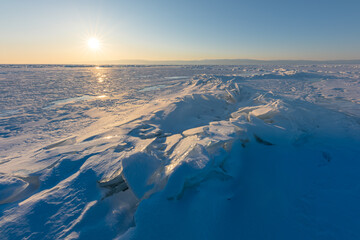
(56, 31)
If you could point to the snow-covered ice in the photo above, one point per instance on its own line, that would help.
(180, 152)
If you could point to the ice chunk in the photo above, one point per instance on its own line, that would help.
(137, 172)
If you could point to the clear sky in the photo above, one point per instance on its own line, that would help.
(49, 31)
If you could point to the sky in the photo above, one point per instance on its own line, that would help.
(49, 31)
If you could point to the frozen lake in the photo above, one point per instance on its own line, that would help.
(175, 152)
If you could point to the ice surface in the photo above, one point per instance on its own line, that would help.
(180, 152)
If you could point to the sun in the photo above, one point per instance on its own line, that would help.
(93, 43)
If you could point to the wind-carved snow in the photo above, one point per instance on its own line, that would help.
(223, 155)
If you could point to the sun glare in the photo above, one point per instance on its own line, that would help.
(93, 43)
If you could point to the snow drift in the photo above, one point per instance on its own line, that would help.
(218, 157)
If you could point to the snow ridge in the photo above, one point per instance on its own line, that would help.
(189, 161)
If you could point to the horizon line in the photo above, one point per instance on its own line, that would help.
(194, 61)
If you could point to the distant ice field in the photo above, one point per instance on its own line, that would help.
(179, 152)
